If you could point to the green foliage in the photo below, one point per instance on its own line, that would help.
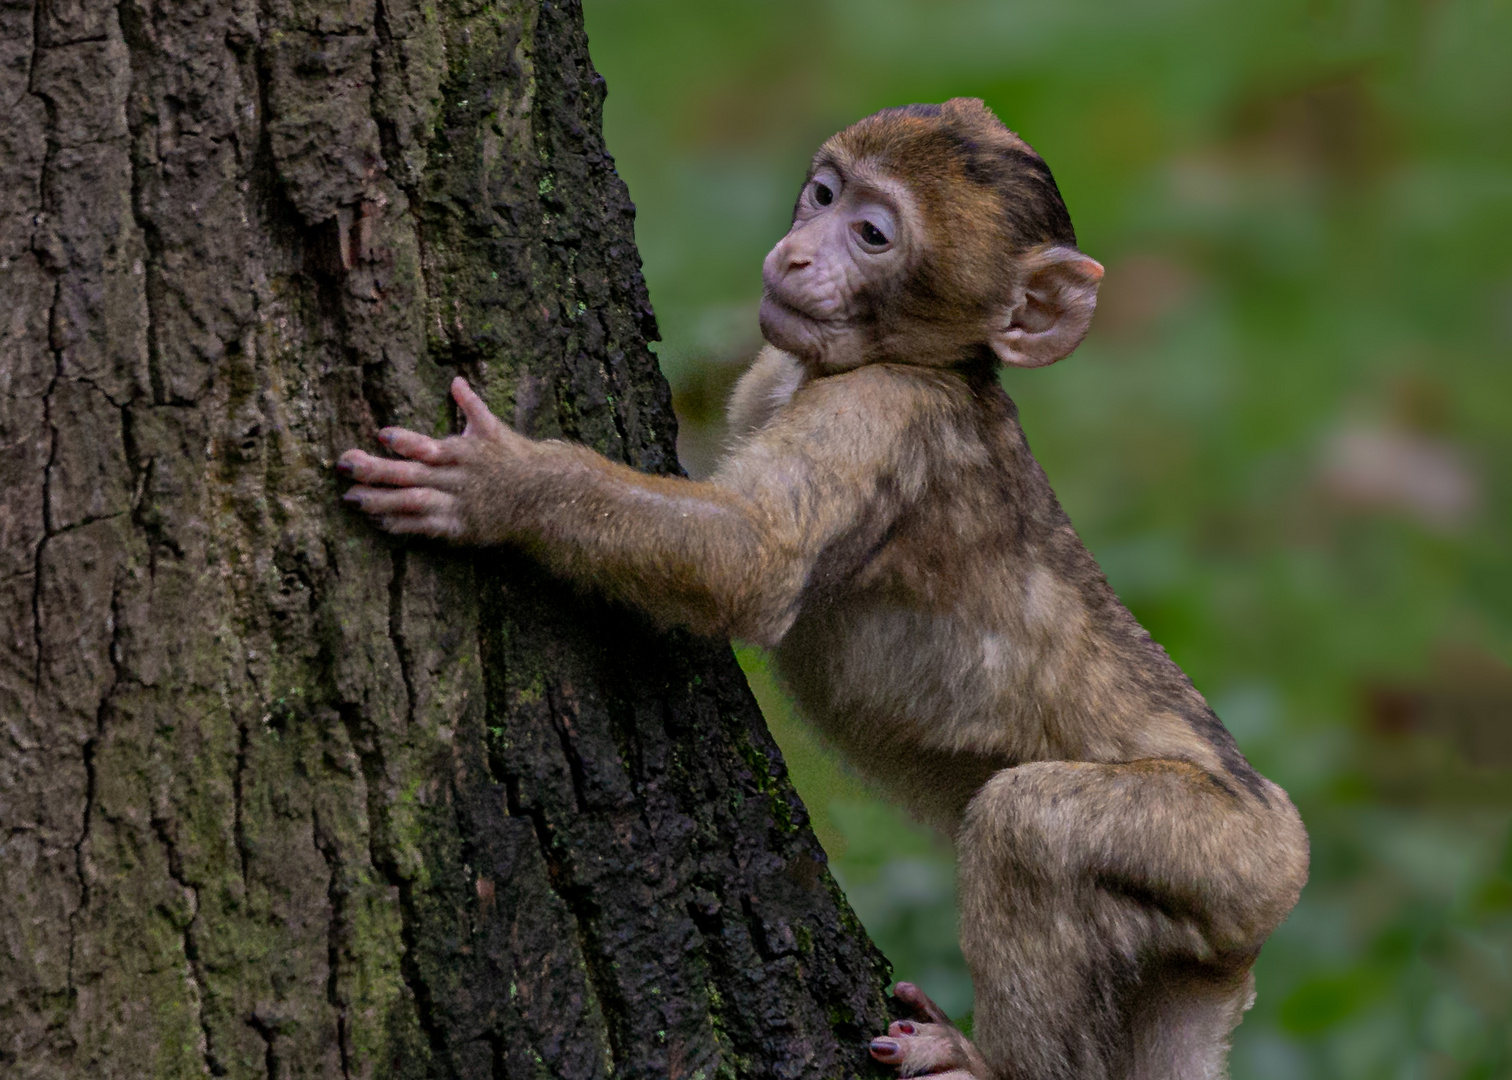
(1287, 438)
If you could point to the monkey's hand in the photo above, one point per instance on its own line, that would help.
(933, 1046)
(426, 490)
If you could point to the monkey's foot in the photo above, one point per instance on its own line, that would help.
(929, 1046)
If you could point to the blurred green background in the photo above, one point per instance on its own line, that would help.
(1288, 438)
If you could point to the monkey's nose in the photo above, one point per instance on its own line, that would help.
(798, 262)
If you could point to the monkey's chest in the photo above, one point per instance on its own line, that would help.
(877, 676)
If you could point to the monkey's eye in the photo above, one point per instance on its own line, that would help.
(872, 235)
(822, 194)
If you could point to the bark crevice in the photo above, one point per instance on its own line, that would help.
(336, 939)
(38, 634)
(163, 827)
(91, 782)
(566, 739)
(268, 1035)
(385, 44)
(239, 804)
(373, 768)
(133, 27)
(427, 1010)
(48, 260)
(399, 559)
(612, 1005)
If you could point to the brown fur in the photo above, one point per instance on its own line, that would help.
(882, 527)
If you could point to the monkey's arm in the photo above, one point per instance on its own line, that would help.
(729, 556)
(767, 386)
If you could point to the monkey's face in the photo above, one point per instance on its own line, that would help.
(855, 236)
(929, 235)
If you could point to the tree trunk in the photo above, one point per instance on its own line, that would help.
(278, 795)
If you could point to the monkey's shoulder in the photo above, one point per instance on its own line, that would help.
(949, 423)
(903, 399)
(898, 431)
(777, 380)
(780, 404)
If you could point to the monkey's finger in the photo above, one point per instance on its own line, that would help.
(479, 419)
(395, 472)
(418, 447)
(393, 502)
(917, 1000)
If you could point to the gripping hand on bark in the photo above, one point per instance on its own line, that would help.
(427, 488)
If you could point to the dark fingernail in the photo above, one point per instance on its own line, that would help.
(344, 468)
(884, 1046)
(352, 497)
(905, 1027)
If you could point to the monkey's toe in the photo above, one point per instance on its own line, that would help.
(921, 1004)
(936, 1050)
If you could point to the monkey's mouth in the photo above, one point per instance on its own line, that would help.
(791, 328)
(786, 327)
(786, 307)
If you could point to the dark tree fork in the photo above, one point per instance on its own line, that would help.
(278, 796)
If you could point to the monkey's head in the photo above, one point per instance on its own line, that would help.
(928, 234)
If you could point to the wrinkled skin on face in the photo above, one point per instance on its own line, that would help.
(853, 236)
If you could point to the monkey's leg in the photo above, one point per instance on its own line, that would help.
(1110, 914)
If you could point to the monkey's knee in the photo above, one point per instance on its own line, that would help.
(1025, 824)
(1155, 852)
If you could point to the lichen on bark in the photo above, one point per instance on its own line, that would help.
(279, 796)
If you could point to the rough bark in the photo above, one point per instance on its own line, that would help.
(277, 795)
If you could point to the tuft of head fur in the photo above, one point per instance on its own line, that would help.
(959, 146)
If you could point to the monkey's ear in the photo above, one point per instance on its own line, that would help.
(1050, 308)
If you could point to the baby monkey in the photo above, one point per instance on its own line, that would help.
(880, 525)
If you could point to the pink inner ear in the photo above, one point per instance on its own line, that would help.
(1035, 316)
(1054, 310)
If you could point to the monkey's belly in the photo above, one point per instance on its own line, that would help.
(885, 684)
